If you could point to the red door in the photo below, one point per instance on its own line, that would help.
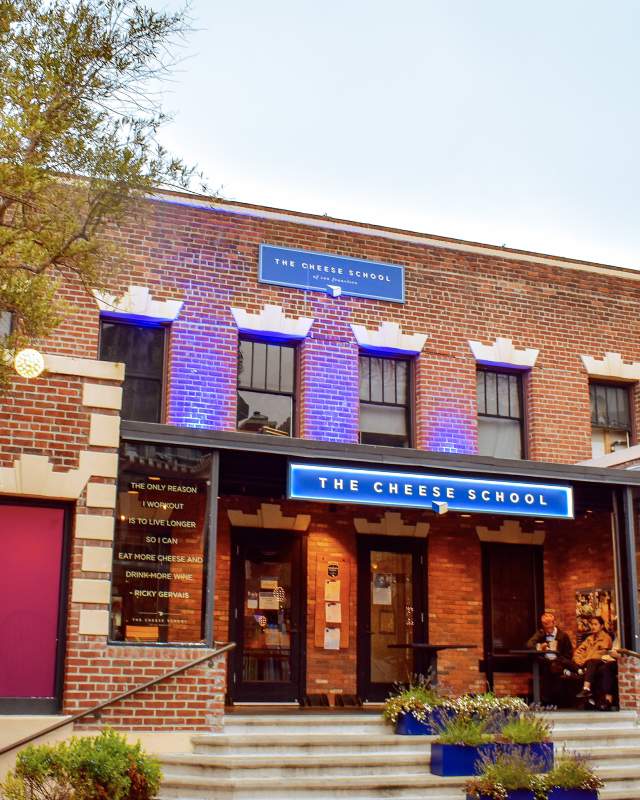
(31, 541)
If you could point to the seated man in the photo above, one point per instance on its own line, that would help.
(596, 661)
(556, 646)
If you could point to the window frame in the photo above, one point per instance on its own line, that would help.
(164, 379)
(521, 376)
(409, 406)
(628, 388)
(292, 344)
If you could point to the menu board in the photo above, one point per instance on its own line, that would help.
(160, 545)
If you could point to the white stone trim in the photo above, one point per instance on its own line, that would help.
(98, 395)
(84, 367)
(612, 366)
(391, 524)
(269, 515)
(93, 623)
(503, 353)
(97, 559)
(510, 532)
(138, 302)
(615, 459)
(104, 430)
(99, 465)
(86, 590)
(389, 338)
(272, 321)
(94, 526)
(34, 476)
(101, 495)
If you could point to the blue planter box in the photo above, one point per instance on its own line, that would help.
(573, 794)
(449, 760)
(408, 725)
(540, 752)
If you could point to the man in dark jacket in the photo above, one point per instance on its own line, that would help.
(556, 652)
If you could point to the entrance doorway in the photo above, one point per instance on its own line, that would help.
(392, 610)
(268, 578)
(32, 607)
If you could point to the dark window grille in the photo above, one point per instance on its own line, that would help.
(610, 406)
(500, 414)
(384, 401)
(266, 387)
(142, 349)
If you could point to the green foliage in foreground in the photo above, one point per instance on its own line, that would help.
(103, 767)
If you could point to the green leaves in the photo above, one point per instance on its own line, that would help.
(78, 147)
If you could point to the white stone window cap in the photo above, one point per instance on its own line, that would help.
(372, 349)
(389, 340)
(272, 323)
(502, 353)
(137, 304)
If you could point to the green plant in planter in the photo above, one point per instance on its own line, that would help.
(525, 728)
(571, 771)
(463, 731)
(102, 767)
(418, 698)
(507, 773)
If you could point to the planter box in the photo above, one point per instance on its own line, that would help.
(520, 794)
(449, 760)
(540, 752)
(408, 725)
(573, 794)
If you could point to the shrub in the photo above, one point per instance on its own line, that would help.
(507, 773)
(463, 731)
(418, 698)
(525, 729)
(103, 767)
(571, 771)
(486, 706)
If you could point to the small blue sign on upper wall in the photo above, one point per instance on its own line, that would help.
(333, 275)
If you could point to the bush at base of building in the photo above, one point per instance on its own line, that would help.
(103, 767)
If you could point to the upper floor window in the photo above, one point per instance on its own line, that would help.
(384, 401)
(266, 387)
(500, 417)
(610, 418)
(142, 349)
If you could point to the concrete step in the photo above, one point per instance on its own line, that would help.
(296, 743)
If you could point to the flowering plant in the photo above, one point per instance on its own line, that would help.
(509, 772)
(418, 698)
(487, 706)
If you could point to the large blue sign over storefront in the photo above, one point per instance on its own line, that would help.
(414, 490)
(335, 275)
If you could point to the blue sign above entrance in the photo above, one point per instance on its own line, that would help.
(436, 492)
(334, 275)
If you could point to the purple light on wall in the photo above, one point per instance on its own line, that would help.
(450, 430)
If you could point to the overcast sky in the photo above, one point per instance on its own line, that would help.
(490, 120)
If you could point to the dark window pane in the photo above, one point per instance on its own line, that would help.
(142, 400)
(491, 382)
(402, 382)
(389, 381)
(287, 369)
(503, 395)
(365, 373)
(140, 348)
(376, 380)
(273, 368)
(259, 369)
(609, 406)
(514, 396)
(259, 412)
(245, 354)
(480, 388)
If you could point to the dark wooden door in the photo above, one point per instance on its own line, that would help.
(267, 616)
(391, 610)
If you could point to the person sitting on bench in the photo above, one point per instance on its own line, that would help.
(595, 660)
(556, 646)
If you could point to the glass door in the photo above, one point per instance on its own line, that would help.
(266, 617)
(391, 613)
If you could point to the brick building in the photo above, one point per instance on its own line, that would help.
(329, 438)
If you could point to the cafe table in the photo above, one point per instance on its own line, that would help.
(431, 651)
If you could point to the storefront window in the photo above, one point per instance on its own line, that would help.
(159, 567)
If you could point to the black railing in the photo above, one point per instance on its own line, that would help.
(95, 710)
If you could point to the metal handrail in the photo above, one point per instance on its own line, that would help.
(626, 652)
(96, 709)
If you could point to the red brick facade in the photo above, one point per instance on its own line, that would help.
(208, 258)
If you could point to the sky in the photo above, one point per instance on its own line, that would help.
(498, 121)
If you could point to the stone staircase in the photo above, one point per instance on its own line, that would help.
(318, 756)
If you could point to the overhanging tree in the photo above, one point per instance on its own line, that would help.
(79, 81)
